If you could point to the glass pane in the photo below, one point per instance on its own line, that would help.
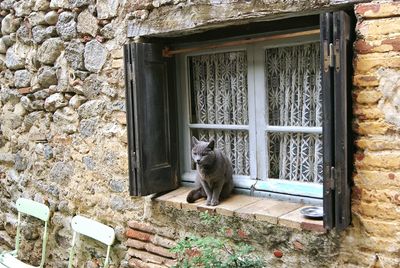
(295, 156)
(218, 88)
(293, 84)
(235, 145)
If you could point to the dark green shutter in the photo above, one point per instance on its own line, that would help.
(151, 119)
(336, 61)
(328, 137)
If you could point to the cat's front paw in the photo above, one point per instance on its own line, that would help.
(214, 203)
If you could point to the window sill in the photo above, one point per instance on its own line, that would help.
(248, 207)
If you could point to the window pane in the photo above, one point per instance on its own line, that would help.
(219, 88)
(235, 145)
(293, 84)
(295, 156)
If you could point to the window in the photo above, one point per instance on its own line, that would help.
(262, 104)
(279, 109)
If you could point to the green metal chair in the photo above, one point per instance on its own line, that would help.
(92, 229)
(34, 209)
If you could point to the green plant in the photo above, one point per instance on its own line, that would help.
(210, 252)
(213, 252)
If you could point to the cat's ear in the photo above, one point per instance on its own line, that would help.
(194, 141)
(211, 144)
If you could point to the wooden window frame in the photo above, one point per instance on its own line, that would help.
(257, 128)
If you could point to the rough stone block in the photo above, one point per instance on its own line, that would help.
(383, 45)
(376, 29)
(377, 10)
(367, 96)
(360, 80)
(369, 62)
(366, 112)
(379, 143)
(384, 159)
(372, 127)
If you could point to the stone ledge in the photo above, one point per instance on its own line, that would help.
(248, 207)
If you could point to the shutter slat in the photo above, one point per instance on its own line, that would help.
(151, 120)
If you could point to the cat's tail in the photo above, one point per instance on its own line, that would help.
(195, 194)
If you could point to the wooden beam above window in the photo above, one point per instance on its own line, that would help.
(168, 52)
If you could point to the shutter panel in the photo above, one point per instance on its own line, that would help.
(328, 141)
(342, 106)
(336, 59)
(151, 114)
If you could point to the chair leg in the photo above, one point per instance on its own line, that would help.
(72, 251)
(107, 257)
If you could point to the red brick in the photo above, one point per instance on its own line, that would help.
(145, 227)
(24, 90)
(309, 226)
(378, 10)
(162, 241)
(136, 263)
(138, 235)
(385, 45)
(394, 42)
(364, 8)
(147, 257)
(150, 248)
(361, 46)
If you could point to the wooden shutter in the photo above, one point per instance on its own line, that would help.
(151, 119)
(336, 60)
(327, 137)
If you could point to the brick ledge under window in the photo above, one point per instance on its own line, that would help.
(248, 207)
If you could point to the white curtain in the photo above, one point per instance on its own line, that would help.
(294, 98)
(219, 96)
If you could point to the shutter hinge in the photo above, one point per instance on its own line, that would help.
(328, 55)
(134, 160)
(337, 55)
(330, 181)
(130, 71)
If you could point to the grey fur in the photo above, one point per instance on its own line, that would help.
(214, 173)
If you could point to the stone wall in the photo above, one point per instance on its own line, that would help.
(62, 114)
(374, 237)
(63, 128)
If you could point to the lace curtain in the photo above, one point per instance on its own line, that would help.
(294, 98)
(219, 96)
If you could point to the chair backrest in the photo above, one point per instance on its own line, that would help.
(92, 229)
(32, 208)
(37, 210)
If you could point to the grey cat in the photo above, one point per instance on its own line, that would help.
(214, 173)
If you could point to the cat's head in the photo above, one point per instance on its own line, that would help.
(203, 152)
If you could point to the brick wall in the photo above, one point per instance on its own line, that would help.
(373, 240)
